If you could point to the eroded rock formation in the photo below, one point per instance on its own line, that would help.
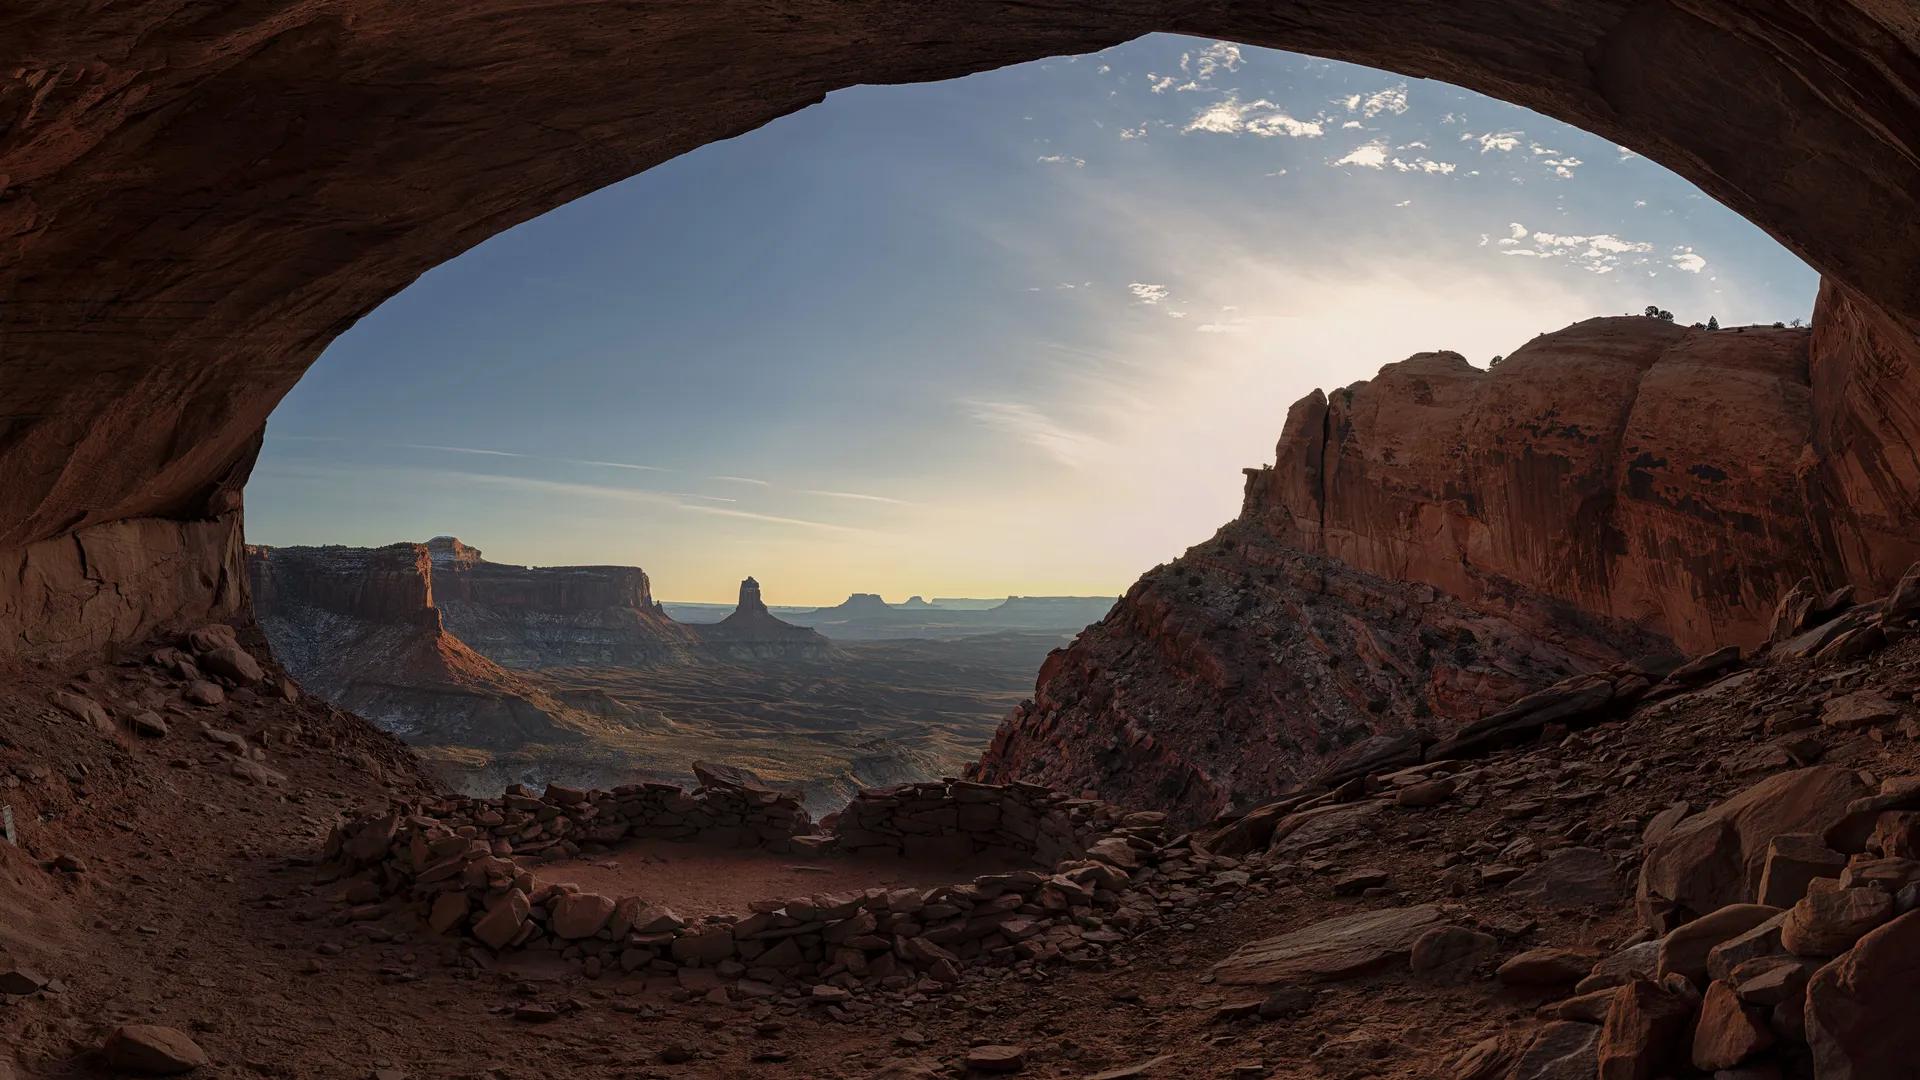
(359, 627)
(1244, 667)
(1679, 479)
(1436, 541)
(754, 633)
(193, 206)
(552, 616)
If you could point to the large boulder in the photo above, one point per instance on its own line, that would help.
(1860, 1007)
(1717, 857)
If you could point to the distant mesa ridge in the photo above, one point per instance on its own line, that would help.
(513, 616)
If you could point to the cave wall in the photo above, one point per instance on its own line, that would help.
(195, 199)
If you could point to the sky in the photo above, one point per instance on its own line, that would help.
(1015, 333)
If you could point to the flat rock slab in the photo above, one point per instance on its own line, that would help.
(1572, 879)
(1332, 949)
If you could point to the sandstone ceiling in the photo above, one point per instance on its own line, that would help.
(196, 197)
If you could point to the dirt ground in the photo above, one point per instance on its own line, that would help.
(694, 880)
(197, 908)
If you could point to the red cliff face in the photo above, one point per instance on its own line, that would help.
(1669, 477)
(1434, 542)
(392, 584)
(548, 616)
(358, 626)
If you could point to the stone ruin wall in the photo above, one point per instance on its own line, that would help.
(467, 865)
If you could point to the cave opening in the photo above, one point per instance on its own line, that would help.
(1013, 335)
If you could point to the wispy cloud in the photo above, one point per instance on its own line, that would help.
(741, 480)
(855, 495)
(1685, 259)
(774, 519)
(615, 465)
(1063, 159)
(1064, 444)
(666, 499)
(1147, 293)
(460, 450)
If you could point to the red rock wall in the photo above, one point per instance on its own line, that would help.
(392, 584)
(119, 582)
(1674, 478)
(461, 574)
(1866, 437)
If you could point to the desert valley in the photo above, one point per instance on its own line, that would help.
(575, 675)
(1551, 717)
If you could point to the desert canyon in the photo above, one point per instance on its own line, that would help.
(1554, 720)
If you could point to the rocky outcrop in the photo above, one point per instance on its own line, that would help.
(1246, 667)
(359, 627)
(1674, 478)
(753, 633)
(165, 197)
(553, 616)
(1435, 542)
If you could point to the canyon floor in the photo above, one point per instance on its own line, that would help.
(872, 713)
(171, 879)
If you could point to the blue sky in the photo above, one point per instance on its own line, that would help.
(1012, 333)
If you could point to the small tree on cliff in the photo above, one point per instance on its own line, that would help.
(1713, 322)
(1654, 312)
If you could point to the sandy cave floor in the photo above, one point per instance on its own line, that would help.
(694, 880)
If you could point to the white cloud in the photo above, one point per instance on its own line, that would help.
(1147, 293)
(1502, 141)
(1685, 259)
(1134, 133)
(1063, 159)
(1625, 153)
(741, 480)
(1391, 100)
(1403, 202)
(1563, 167)
(1597, 253)
(1263, 118)
(1159, 84)
(1217, 57)
(1372, 155)
(1423, 165)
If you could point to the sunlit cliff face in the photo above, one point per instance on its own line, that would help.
(1013, 333)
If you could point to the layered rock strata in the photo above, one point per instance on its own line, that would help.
(359, 627)
(552, 616)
